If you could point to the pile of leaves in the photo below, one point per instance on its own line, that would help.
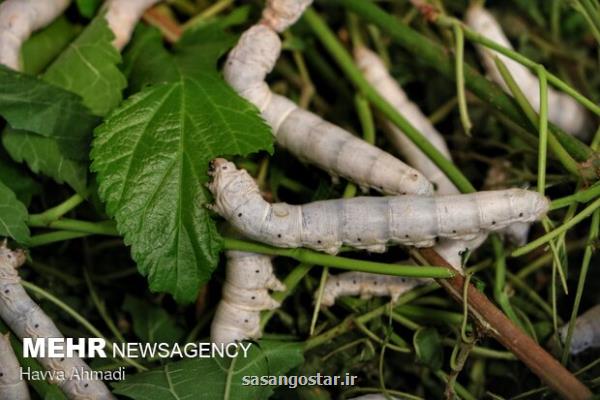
(103, 167)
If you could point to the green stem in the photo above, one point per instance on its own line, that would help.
(313, 257)
(563, 228)
(346, 63)
(53, 237)
(436, 56)
(563, 156)
(543, 127)
(54, 213)
(590, 15)
(583, 196)
(99, 228)
(460, 79)
(366, 118)
(499, 283)
(585, 264)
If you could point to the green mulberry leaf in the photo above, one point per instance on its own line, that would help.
(152, 155)
(212, 378)
(13, 216)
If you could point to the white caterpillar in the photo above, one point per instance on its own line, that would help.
(366, 222)
(11, 385)
(563, 110)
(377, 75)
(249, 277)
(587, 331)
(18, 20)
(27, 319)
(123, 15)
(366, 285)
(303, 133)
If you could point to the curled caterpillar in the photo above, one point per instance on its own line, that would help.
(18, 20)
(11, 385)
(249, 277)
(563, 110)
(586, 333)
(27, 319)
(303, 133)
(368, 223)
(123, 15)
(366, 285)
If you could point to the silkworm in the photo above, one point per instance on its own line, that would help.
(586, 333)
(11, 385)
(366, 285)
(563, 110)
(18, 20)
(249, 277)
(27, 319)
(368, 223)
(123, 15)
(306, 135)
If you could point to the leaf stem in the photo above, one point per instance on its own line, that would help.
(54, 213)
(316, 258)
(552, 234)
(460, 79)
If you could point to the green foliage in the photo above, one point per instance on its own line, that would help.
(152, 324)
(22, 184)
(88, 67)
(429, 348)
(88, 8)
(213, 378)
(45, 45)
(30, 104)
(152, 155)
(43, 155)
(13, 216)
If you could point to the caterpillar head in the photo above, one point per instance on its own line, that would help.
(229, 186)
(14, 258)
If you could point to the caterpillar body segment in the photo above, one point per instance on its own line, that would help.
(27, 319)
(366, 285)
(280, 14)
(586, 333)
(123, 15)
(377, 75)
(305, 134)
(563, 110)
(368, 223)
(249, 277)
(18, 20)
(11, 384)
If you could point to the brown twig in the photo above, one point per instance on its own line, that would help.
(169, 27)
(497, 325)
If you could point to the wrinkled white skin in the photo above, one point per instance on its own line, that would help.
(18, 20)
(123, 15)
(368, 223)
(563, 110)
(378, 76)
(586, 333)
(366, 285)
(280, 14)
(26, 319)
(306, 135)
(11, 385)
(249, 278)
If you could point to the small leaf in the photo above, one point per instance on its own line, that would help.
(21, 183)
(152, 156)
(208, 378)
(43, 47)
(152, 324)
(13, 216)
(30, 104)
(43, 155)
(88, 67)
(429, 348)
